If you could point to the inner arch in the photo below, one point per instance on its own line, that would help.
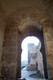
(35, 43)
(31, 58)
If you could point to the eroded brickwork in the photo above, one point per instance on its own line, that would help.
(10, 50)
(49, 42)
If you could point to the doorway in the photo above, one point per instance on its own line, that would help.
(31, 58)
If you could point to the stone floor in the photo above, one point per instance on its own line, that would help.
(27, 73)
(34, 79)
(31, 79)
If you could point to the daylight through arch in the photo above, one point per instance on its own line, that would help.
(31, 57)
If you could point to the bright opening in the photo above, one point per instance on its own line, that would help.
(31, 58)
(28, 40)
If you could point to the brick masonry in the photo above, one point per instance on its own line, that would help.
(10, 50)
(11, 46)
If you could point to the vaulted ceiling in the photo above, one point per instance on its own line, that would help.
(9, 6)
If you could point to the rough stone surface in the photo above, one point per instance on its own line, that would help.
(49, 42)
(9, 56)
(19, 10)
(33, 67)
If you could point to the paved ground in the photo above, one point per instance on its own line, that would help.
(31, 79)
(27, 73)
(34, 79)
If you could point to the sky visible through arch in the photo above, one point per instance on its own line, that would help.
(24, 46)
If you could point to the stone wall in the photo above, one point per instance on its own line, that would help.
(2, 27)
(49, 43)
(14, 33)
(10, 51)
(44, 14)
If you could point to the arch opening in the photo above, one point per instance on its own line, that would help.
(31, 58)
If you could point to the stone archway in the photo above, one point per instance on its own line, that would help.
(29, 29)
(14, 34)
